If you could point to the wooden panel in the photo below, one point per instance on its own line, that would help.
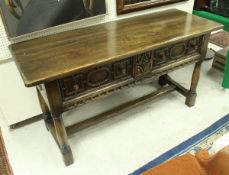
(60, 55)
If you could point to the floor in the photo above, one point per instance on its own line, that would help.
(7, 100)
(123, 144)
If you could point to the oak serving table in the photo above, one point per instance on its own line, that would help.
(74, 67)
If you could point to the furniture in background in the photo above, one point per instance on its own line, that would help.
(216, 10)
(201, 4)
(200, 164)
(72, 68)
(219, 7)
(220, 59)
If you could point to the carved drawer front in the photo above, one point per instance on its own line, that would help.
(143, 63)
(75, 85)
(160, 56)
(177, 50)
(98, 76)
(167, 54)
(146, 62)
(72, 85)
(122, 68)
(194, 45)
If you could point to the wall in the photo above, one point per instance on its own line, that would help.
(19, 103)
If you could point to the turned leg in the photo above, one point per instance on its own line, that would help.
(57, 127)
(45, 110)
(191, 96)
(62, 140)
(162, 80)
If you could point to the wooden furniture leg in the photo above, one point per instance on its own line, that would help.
(57, 127)
(162, 80)
(191, 97)
(189, 94)
(62, 140)
(45, 109)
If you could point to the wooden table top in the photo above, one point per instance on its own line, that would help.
(56, 56)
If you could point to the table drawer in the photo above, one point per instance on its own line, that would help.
(132, 67)
(83, 82)
(146, 62)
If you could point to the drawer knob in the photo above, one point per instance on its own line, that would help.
(76, 87)
(193, 45)
(123, 70)
(161, 55)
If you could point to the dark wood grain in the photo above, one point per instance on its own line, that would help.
(57, 56)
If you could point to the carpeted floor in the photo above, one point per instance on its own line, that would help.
(5, 168)
(220, 39)
(203, 140)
